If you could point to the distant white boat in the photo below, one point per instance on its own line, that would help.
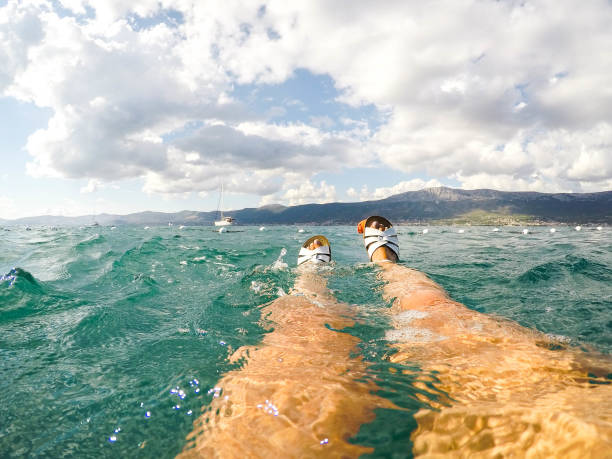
(553, 230)
(425, 231)
(578, 228)
(223, 221)
(495, 230)
(170, 224)
(599, 228)
(525, 231)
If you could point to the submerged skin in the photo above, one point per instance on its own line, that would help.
(304, 369)
(506, 391)
(494, 388)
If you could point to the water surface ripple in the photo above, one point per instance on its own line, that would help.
(112, 340)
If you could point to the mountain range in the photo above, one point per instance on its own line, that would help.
(430, 205)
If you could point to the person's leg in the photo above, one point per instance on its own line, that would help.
(507, 390)
(297, 394)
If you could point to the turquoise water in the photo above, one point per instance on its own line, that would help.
(110, 340)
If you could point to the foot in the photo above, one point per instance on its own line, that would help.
(384, 253)
(315, 250)
(315, 244)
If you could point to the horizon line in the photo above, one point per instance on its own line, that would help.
(295, 205)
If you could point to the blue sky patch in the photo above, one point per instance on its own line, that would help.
(307, 98)
(170, 17)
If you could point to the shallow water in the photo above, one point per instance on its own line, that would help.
(112, 341)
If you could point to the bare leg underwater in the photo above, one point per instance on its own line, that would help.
(506, 390)
(509, 392)
(298, 394)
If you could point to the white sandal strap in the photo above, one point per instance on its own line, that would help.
(319, 255)
(374, 238)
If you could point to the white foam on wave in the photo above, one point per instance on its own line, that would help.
(409, 315)
(256, 286)
(413, 335)
(559, 338)
(404, 333)
(279, 263)
(224, 265)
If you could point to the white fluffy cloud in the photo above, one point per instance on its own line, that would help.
(92, 186)
(117, 91)
(496, 90)
(384, 192)
(513, 95)
(309, 192)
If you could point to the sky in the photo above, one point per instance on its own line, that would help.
(119, 107)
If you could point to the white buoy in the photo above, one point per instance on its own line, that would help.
(261, 228)
(495, 230)
(525, 231)
(552, 230)
(461, 231)
(599, 228)
(425, 231)
(222, 230)
(578, 228)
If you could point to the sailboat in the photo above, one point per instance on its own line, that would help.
(223, 221)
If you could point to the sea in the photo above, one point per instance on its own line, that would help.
(113, 339)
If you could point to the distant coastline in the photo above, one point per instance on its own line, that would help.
(431, 206)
